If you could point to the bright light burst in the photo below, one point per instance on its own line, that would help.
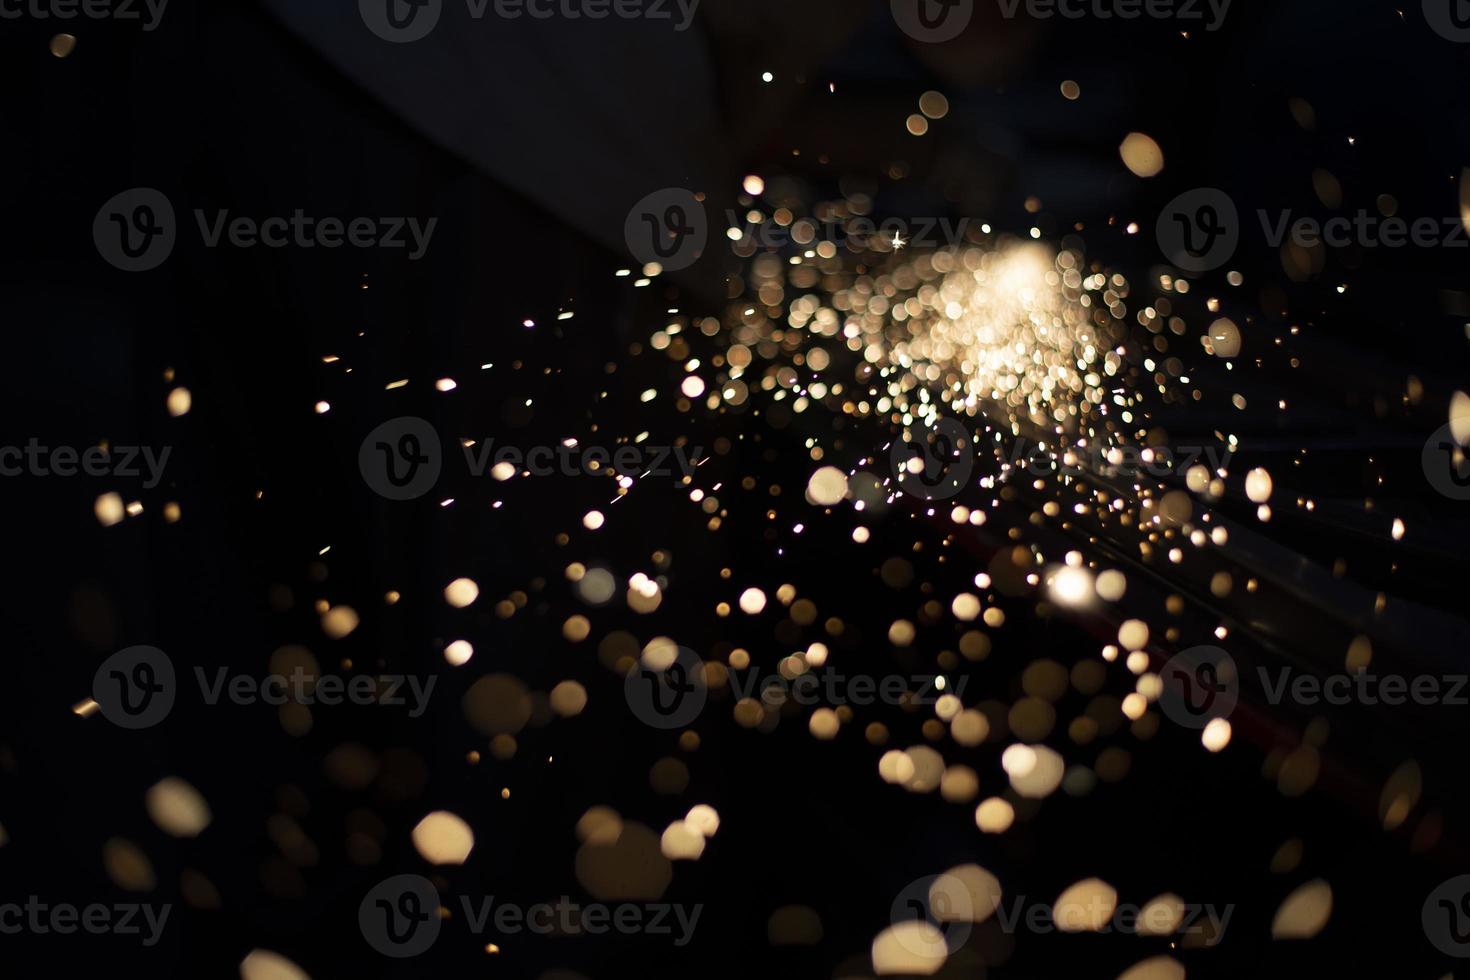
(1014, 327)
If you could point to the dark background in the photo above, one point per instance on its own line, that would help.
(224, 106)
